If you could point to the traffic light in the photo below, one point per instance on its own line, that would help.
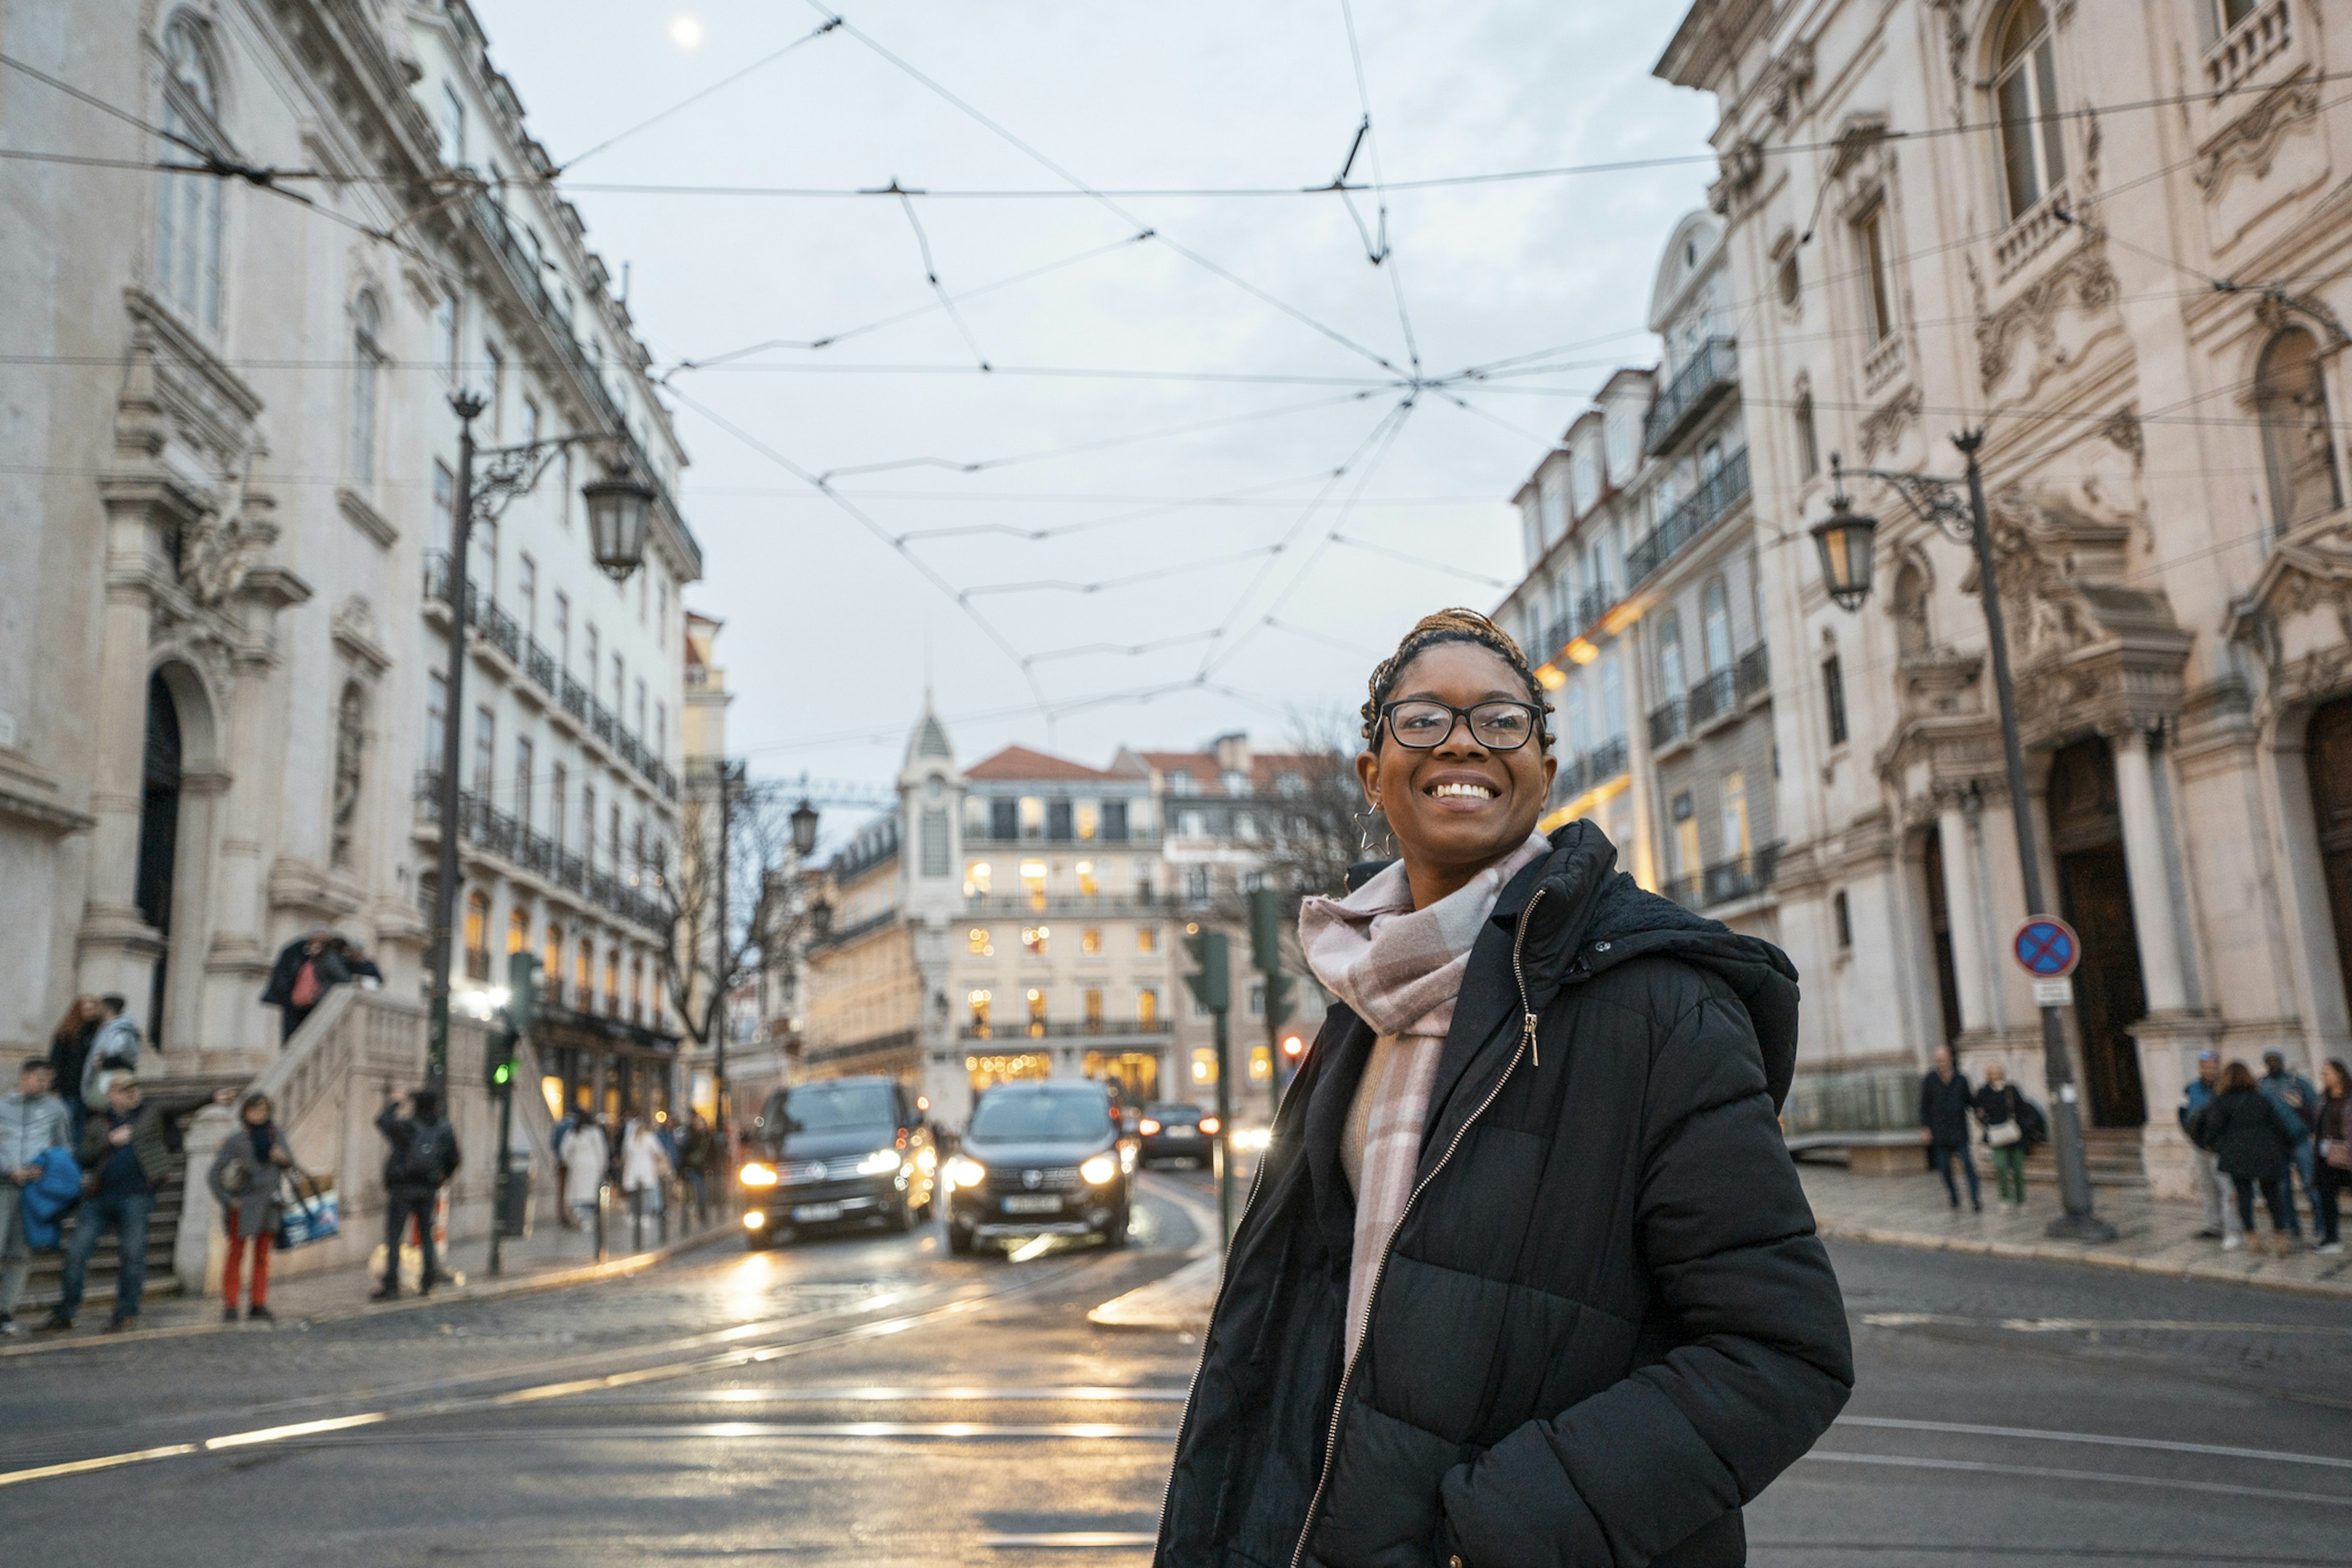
(522, 992)
(1265, 953)
(1212, 982)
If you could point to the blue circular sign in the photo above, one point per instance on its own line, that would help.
(2047, 948)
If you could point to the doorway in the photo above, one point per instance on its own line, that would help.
(1939, 929)
(2328, 752)
(159, 839)
(2086, 832)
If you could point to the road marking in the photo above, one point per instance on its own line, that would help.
(2045, 1435)
(1069, 1541)
(91, 1466)
(2038, 1472)
(2095, 1325)
(1089, 1394)
(300, 1429)
(734, 1431)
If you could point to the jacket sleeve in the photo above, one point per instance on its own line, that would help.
(216, 1178)
(1927, 1101)
(1761, 1360)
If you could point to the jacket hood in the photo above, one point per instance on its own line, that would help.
(1584, 916)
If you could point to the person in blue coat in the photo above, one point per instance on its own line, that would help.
(49, 1197)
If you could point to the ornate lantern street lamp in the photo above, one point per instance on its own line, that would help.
(618, 506)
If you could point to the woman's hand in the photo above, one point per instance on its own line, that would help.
(278, 1156)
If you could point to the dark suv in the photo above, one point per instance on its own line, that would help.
(1040, 1158)
(836, 1151)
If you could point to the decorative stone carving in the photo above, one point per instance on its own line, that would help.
(350, 745)
(2252, 141)
(224, 547)
(2084, 279)
(2121, 430)
(1885, 425)
(356, 637)
(1785, 83)
(2286, 616)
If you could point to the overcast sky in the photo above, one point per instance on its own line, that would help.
(831, 629)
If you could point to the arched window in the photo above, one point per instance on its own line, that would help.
(1715, 625)
(1808, 447)
(1671, 681)
(188, 226)
(1909, 608)
(367, 362)
(1580, 720)
(2025, 98)
(551, 962)
(477, 935)
(2290, 398)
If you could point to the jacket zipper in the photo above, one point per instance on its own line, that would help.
(1371, 1298)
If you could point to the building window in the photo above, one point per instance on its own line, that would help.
(636, 990)
(976, 877)
(615, 841)
(1180, 781)
(527, 590)
(1004, 819)
(641, 707)
(584, 976)
(477, 935)
(444, 336)
(1034, 939)
(517, 930)
(979, 943)
(2025, 96)
(1146, 1007)
(1788, 280)
(1613, 697)
(588, 665)
(563, 632)
(486, 744)
(188, 237)
(1147, 939)
(1033, 817)
(588, 824)
(1033, 882)
(495, 395)
(1093, 1014)
(1735, 815)
(661, 753)
(551, 962)
(933, 835)
(367, 367)
(1088, 818)
(437, 719)
(1833, 697)
(1870, 246)
(1671, 682)
(1196, 884)
(2291, 402)
(612, 983)
(1036, 999)
(1113, 820)
(978, 1001)
(453, 125)
(1058, 824)
(1844, 915)
(1090, 942)
(522, 780)
(1715, 625)
(1087, 885)
(1257, 999)
(1808, 447)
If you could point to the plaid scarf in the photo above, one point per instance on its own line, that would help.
(1400, 969)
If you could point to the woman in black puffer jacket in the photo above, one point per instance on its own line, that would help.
(1527, 1276)
(2254, 1145)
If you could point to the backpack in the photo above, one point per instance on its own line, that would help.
(430, 1157)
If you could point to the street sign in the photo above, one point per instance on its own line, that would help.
(2047, 948)
(2054, 993)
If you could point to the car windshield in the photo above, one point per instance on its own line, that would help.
(832, 1107)
(1034, 1115)
(1174, 1112)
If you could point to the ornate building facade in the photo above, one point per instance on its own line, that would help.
(2100, 233)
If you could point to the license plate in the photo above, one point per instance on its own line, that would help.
(815, 1214)
(1041, 1203)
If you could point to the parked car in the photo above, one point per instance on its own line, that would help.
(1175, 1130)
(1040, 1158)
(847, 1151)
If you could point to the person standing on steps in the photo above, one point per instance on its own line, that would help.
(422, 1157)
(32, 1122)
(114, 1050)
(2001, 1109)
(1944, 1106)
(1526, 1274)
(2333, 1152)
(126, 1157)
(245, 1179)
(68, 1054)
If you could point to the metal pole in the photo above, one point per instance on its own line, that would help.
(720, 965)
(445, 892)
(2065, 1119)
(506, 1144)
(1224, 1137)
(1272, 1057)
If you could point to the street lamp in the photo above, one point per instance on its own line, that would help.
(618, 506)
(803, 828)
(1844, 538)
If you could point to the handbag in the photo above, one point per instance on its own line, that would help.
(305, 1217)
(2001, 1134)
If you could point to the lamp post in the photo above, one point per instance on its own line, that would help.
(1844, 539)
(618, 506)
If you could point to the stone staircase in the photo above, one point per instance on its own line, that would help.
(2112, 1153)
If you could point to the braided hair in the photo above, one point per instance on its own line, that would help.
(1444, 626)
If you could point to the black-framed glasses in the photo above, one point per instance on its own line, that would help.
(1499, 726)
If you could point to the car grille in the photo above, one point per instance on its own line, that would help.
(1051, 1179)
(800, 1172)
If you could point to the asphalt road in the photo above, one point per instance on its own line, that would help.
(870, 1400)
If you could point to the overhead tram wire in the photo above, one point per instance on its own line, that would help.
(1157, 508)
(1149, 575)
(698, 96)
(1383, 253)
(931, 275)
(1422, 561)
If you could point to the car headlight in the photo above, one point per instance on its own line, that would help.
(927, 1160)
(755, 1174)
(1099, 1170)
(1147, 1127)
(1250, 1138)
(876, 1162)
(963, 1172)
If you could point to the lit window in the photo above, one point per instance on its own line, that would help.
(518, 931)
(979, 1001)
(1089, 819)
(1036, 999)
(1147, 1008)
(977, 939)
(1033, 938)
(976, 879)
(1090, 942)
(1033, 882)
(1147, 939)
(1094, 1011)
(1086, 883)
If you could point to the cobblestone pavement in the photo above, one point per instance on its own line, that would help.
(871, 1400)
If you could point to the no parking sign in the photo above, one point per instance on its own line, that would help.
(2048, 950)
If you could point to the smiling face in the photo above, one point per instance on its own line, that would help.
(1459, 807)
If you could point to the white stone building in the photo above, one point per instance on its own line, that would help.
(1950, 214)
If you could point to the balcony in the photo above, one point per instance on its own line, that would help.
(1698, 386)
(1595, 768)
(1726, 881)
(1753, 675)
(2247, 47)
(1702, 509)
(1071, 905)
(1711, 699)
(508, 838)
(1668, 723)
(1039, 1030)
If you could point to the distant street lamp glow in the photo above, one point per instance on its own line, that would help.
(686, 31)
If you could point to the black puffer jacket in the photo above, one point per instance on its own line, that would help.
(1604, 1323)
(2252, 1136)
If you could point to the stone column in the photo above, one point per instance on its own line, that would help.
(2145, 850)
(1644, 857)
(118, 948)
(1963, 914)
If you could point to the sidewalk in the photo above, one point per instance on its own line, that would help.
(2152, 1237)
(550, 1257)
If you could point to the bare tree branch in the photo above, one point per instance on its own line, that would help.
(767, 920)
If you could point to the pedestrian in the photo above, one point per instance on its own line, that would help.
(2253, 1144)
(113, 1049)
(246, 1179)
(125, 1155)
(32, 1121)
(2220, 1212)
(2292, 1094)
(584, 1155)
(422, 1157)
(694, 1159)
(2333, 1154)
(2001, 1109)
(645, 1166)
(1944, 1105)
(70, 1053)
(306, 970)
(1528, 1186)
(358, 969)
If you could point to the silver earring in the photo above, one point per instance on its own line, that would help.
(1364, 833)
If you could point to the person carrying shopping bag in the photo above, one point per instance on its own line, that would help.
(2001, 1109)
(246, 1178)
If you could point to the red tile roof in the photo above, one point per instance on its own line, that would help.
(1020, 764)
